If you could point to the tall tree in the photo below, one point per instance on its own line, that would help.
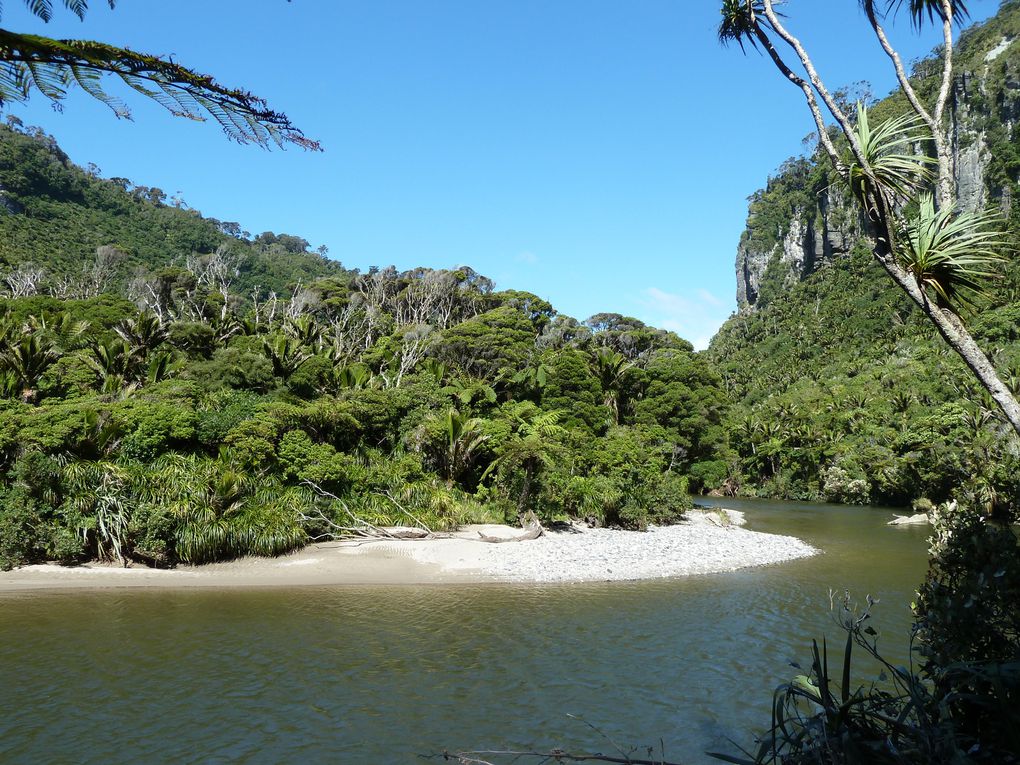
(936, 252)
(610, 368)
(33, 63)
(532, 446)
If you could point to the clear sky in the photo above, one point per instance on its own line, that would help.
(598, 153)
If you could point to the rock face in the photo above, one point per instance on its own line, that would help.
(8, 205)
(813, 236)
(985, 115)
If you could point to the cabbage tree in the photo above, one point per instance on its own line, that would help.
(938, 254)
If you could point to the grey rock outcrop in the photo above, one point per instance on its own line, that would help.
(982, 101)
(813, 237)
(8, 205)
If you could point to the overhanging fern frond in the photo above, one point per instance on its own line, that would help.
(51, 67)
(44, 8)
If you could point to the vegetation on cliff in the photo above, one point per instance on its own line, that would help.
(842, 390)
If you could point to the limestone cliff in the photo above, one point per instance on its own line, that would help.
(800, 221)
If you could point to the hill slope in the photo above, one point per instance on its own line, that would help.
(161, 403)
(54, 215)
(843, 391)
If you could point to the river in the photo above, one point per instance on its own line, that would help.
(384, 674)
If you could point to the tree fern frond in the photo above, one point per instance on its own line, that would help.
(41, 8)
(50, 66)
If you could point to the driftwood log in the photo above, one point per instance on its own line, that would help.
(406, 532)
(534, 531)
(364, 529)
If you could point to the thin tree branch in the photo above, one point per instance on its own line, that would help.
(901, 74)
(942, 148)
(809, 95)
(819, 86)
(358, 521)
(404, 510)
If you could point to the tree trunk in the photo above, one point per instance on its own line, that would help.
(522, 502)
(946, 322)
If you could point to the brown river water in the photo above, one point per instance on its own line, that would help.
(391, 674)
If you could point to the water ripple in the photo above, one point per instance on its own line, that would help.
(379, 675)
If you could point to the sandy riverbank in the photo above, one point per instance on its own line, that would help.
(698, 546)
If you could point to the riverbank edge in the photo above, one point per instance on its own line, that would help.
(709, 542)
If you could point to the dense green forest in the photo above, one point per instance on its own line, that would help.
(175, 389)
(841, 389)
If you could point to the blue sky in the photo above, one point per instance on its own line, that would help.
(598, 153)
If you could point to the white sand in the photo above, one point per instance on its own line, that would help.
(699, 546)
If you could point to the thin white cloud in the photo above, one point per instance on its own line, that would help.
(526, 257)
(694, 317)
(709, 298)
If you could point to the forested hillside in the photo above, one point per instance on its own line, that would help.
(187, 392)
(58, 215)
(173, 388)
(842, 390)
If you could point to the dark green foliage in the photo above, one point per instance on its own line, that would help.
(969, 629)
(502, 338)
(682, 394)
(573, 390)
(196, 339)
(190, 430)
(709, 476)
(63, 214)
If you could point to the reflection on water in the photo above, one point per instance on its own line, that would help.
(380, 675)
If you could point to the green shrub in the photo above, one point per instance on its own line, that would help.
(705, 476)
(968, 622)
(20, 526)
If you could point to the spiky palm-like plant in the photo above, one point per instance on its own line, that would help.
(462, 439)
(27, 361)
(285, 354)
(610, 368)
(98, 493)
(116, 365)
(61, 328)
(919, 9)
(143, 333)
(306, 330)
(950, 254)
(740, 22)
(217, 512)
(160, 368)
(891, 167)
(355, 376)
